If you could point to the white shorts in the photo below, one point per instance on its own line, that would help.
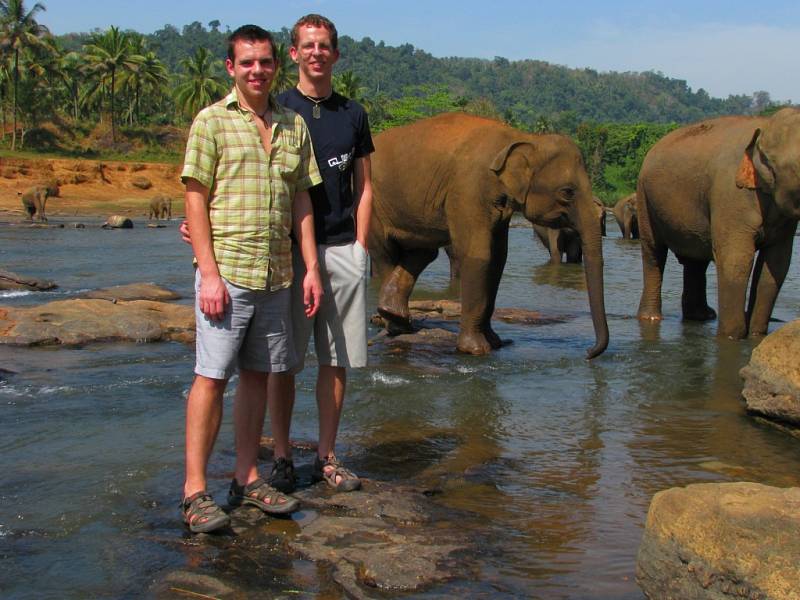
(340, 326)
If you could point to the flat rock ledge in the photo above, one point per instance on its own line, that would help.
(382, 541)
(772, 377)
(720, 541)
(81, 321)
(12, 281)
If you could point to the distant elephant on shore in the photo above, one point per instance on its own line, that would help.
(627, 219)
(34, 200)
(160, 208)
(456, 180)
(726, 190)
(565, 242)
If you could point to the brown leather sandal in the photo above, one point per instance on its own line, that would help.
(262, 495)
(331, 471)
(202, 514)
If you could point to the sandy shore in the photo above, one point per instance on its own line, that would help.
(89, 188)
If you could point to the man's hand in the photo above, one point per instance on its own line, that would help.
(184, 231)
(213, 297)
(312, 292)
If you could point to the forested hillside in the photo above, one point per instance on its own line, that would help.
(122, 92)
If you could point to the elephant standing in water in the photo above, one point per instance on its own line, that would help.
(565, 242)
(160, 208)
(34, 200)
(455, 180)
(627, 218)
(723, 190)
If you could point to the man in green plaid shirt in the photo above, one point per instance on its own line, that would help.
(248, 166)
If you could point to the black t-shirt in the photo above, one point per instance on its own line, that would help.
(340, 135)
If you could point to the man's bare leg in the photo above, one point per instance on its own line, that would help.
(249, 409)
(331, 384)
(280, 399)
(203, 418)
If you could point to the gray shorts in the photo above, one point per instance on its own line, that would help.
(340, 326)
(255, 334)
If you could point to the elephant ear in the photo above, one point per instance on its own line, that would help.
(517, 156)
(754, 172)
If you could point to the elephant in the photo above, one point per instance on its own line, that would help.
(625, 214)
(160, 208)
(726, 190)
(456, 179)
(34, 200)
(565, 242)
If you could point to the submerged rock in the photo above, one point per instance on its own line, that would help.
(12, 281)
(722, 540)
(81, 321)
(772, 377)
(118, 222)
(133, 291)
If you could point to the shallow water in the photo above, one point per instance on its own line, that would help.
(555, 457)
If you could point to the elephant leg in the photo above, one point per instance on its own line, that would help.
(693, 300)
(654, 257)
(769, 274)
(455, 267)
(397, 287)
(481, 272)
(734, 261)
(572, 247)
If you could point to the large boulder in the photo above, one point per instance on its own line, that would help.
(81, 321)
(118, 222)
(133, 291)
(12, 281)
(772, 377)
(715, 541)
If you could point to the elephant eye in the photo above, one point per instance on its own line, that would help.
(568, 193)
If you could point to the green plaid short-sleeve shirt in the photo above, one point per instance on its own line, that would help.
(251, 194)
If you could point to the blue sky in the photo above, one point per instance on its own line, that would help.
(731, 47)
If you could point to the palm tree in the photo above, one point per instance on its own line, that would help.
(286, 75)
(149, 75)
(108, 54)
(348, 84)
(19, 31)
(199, 86)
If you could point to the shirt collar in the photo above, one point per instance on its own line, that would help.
(232, 100)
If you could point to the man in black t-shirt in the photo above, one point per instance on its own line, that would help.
(342, 207)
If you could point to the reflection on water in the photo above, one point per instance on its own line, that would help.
(552, 459)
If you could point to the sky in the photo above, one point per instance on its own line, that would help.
(723, 47)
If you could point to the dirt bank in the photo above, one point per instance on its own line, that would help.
(90, 187)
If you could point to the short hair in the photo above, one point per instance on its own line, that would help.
(315, 20)
(250, 33)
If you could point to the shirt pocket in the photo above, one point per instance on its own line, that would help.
(286, 160)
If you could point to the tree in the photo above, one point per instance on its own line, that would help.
(199, 86)
(19, 32)
(108, 54)
(348, 84)
(286, 74)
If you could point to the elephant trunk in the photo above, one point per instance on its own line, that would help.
(593, 268)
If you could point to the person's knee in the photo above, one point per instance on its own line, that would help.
(209, 385)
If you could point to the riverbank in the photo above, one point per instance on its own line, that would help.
(89, 187)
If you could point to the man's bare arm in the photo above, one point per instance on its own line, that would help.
(213, 296)
(362, 178)
(303, 227)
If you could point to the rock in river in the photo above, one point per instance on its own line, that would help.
(715, 541)
(12, 281)
(94, 320)
(772, 377)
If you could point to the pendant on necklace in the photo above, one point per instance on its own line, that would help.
(315, 112)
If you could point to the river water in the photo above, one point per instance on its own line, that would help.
(556, 457)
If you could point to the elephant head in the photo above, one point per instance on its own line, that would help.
(771, 160)
(547, 181)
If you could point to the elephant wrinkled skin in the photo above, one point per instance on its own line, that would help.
(726, 190)
(455, 180)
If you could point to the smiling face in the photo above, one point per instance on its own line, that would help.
(252, 69)
(315, 55)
